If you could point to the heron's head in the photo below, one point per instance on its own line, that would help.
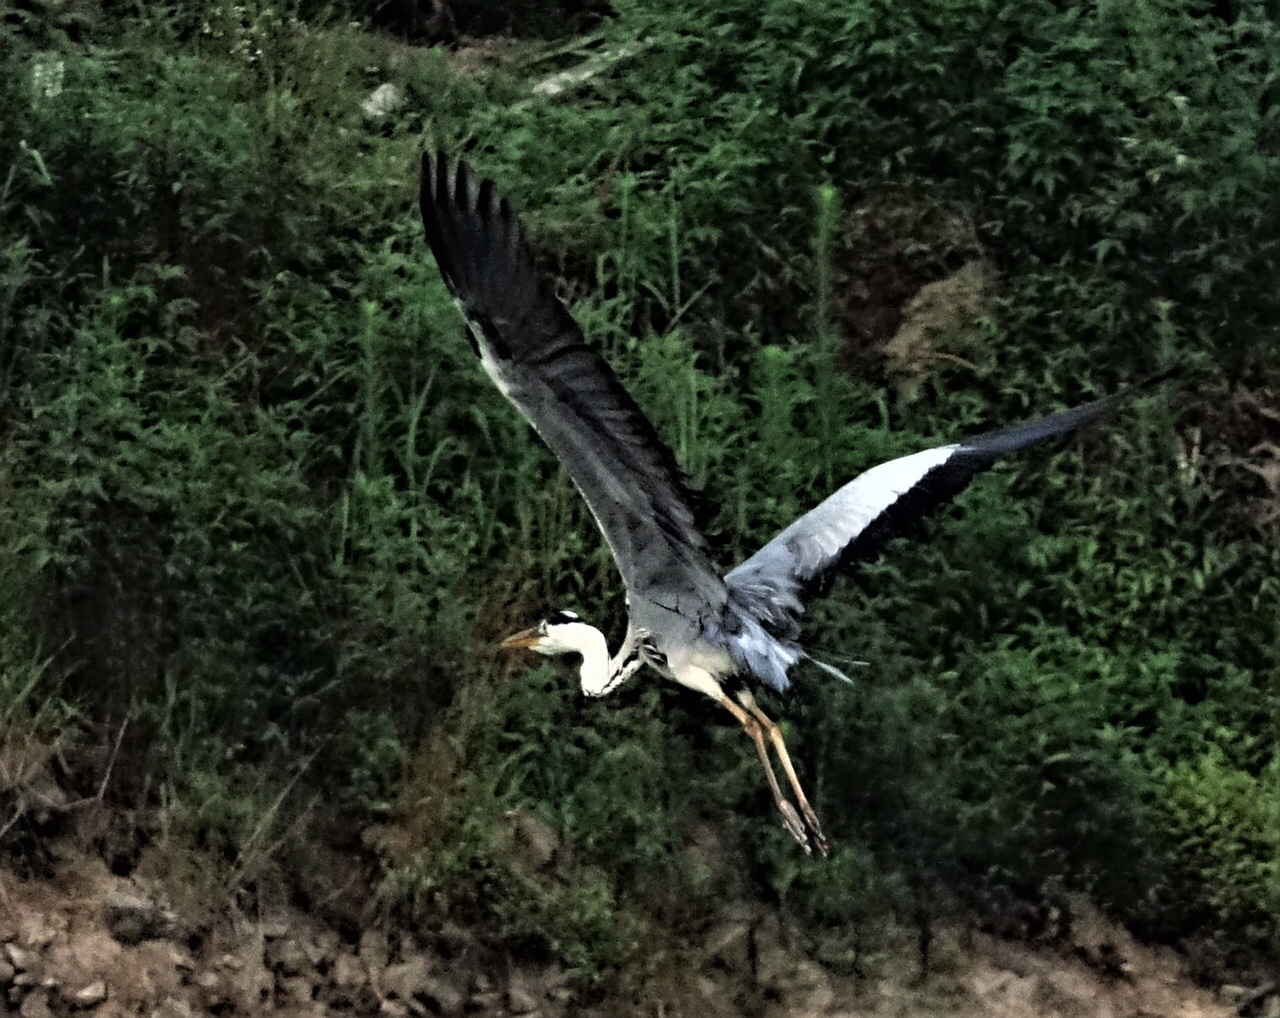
(562, 633)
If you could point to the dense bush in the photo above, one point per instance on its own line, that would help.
(258, 500)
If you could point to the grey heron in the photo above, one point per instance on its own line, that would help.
(720, 634)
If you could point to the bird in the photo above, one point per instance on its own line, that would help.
(726, 635)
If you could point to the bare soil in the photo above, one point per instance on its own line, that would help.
(77, 939)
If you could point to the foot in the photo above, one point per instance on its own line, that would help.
(811, 818)
(791, 821)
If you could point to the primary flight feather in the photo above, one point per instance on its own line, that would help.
(719, 635)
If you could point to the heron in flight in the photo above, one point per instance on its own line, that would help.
(722, 635)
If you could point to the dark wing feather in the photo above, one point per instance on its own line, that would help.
(856, 522)
(534, 351)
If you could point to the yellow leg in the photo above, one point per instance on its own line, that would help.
(790, 819)
(780, 747)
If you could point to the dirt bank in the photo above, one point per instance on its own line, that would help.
(79, 940)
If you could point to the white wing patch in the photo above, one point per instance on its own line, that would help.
(829, 527)
(771, 580)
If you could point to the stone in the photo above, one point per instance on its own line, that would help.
(35, 1005)
(445, 995)
(19, 957)
(729, 944)
(180, 958)
(321, 949)
(7, 972)
(90, 996)
(131, 919)
(384, 99)
(251, 988)
(37, 933)
(213, 991)
(521, 998)
(773, 962)
(172, 1007)
(287, 957)
(298, 989)
(454, 940)
(94, 952)
(373, 950)
(1232, 994)
(408, 978)
(349, 972)
(536, 839)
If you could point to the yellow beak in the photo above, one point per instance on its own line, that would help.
(522, 640)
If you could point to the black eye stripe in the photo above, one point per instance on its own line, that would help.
(563, 618)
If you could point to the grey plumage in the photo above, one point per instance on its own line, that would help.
(686, 620)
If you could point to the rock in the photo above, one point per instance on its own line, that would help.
(393, 1009)
(287, 957)
(1230, 994)
(7, 972)
(556, 983)
(213, 991)
(298, 989)
(250, 988)
(89, 996)
(94, 952)
(349, 972)
(131, 919)
(729, 944)
(446, 995)
(181, 959)
(172, 1007)
(941, 314)
(382, 100)
(536, 839)
(38, 933)
(1068, 992)
(408, 978)
(773, 961)
(454, 940)
(274, 929)
(19, 957)
(521, 998)
(374, 951)
(1097, 941)
(709, 989)
(807, 989)
(321, 949)
(35, 1005)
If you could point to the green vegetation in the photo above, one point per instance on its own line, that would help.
(259, 506)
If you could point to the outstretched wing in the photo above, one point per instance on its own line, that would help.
(857, 521)
(534, 351)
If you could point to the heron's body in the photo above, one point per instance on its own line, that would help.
(718, 634)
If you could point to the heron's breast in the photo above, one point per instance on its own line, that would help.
(701, 666)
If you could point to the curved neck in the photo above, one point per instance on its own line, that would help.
(604, 675)
(596, 673)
